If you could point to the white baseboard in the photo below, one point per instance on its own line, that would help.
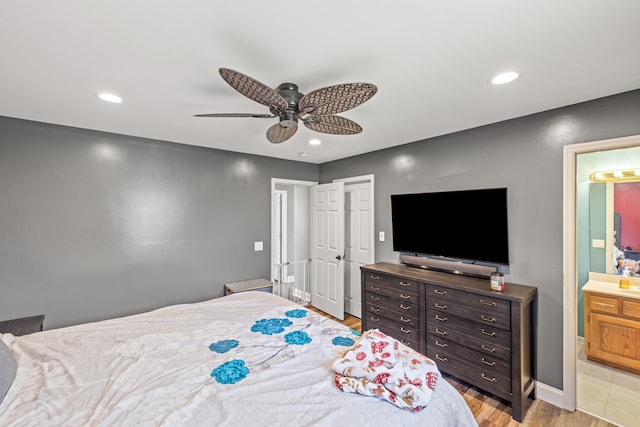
(549, 394)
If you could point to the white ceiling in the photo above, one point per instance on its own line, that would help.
(431, 61)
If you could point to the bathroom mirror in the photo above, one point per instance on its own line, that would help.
(622, 223)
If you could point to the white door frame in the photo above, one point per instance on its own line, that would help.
(279, 228)
(569, 258)
(274, 182)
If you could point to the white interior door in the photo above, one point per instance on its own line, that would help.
(359, 238)
(327, 248)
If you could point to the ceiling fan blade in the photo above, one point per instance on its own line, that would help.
(277, 134)
(265, 116)
(253, 89)
(336, 99)
(335, 125)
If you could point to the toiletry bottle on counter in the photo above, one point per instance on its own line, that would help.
(625, 282)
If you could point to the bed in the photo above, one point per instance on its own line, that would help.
(223, 362)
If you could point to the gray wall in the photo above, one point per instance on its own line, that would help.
(96, 225)
(524, 155)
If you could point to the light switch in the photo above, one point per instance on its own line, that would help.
(597, 243)
(381, 236)
(257, 246)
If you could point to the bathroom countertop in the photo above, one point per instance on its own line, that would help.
(611, 288)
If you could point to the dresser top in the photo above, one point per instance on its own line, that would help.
(513, 292)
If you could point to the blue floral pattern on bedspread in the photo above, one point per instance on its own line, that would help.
(297, 313)
(268, 348)
(345, 341)
(230, 372)
(297, 337)
(223, 346)
(270, 326)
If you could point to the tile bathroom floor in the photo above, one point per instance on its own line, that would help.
(608, 393)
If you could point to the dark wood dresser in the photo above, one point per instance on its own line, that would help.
(485, 338)
(22, 326)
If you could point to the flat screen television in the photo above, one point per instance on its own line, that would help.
(467, 225)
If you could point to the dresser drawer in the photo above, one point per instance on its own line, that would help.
(393, 315)
(483, 317)
(603, 304)
(392, 282)
(490, 341)
(399, 306)
(395, 329)
(389, 329)
(490, 373)
(631, 308)
(444, 295)
(396, 293)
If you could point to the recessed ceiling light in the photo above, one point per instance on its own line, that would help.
(109, 97)
(315, 141)
(504, 78)
(303, 154)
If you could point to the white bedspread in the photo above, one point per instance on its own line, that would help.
(155, 369)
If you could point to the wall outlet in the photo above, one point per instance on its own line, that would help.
(381, 236)
(597, 243)
(257, 246)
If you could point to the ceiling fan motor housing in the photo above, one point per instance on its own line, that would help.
(289, 91)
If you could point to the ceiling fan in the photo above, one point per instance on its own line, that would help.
(317, 109)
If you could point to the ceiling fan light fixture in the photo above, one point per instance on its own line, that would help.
(503, 78)
(109, 97)
(315, 141)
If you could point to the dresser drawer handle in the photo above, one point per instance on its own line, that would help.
(404, 307)
(375, 319)
(402, 319)
(375, 277)
(375, 298)
(405, 342)
(375, 309)
(488, 319)
(440, 318)
(487, 362)
(403, 296)
(443, 359)
(435, 291)
(375, 288)
(490, 350)
(485, 302)
(406, 331)
(439, 332)
(441, 307)
(484, 377)
(405, 284)
(491, 334)
(439, 344)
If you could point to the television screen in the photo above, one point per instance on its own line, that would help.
(462, 225)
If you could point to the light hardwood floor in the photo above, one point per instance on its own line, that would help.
(490, 411)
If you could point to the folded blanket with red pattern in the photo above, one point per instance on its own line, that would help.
(381, 366)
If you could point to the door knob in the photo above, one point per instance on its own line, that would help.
(339, 257)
